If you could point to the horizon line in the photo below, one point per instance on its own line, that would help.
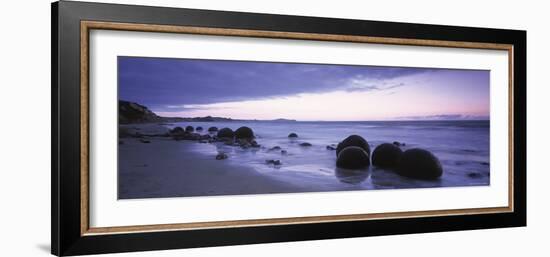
(294, 120)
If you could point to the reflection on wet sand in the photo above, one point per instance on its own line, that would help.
(354, 177)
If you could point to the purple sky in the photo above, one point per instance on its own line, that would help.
(263, 90)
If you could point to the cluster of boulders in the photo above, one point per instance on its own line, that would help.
(178, 133)
(354, 153)
(243, 136)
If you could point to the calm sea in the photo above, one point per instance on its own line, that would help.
(461, 146)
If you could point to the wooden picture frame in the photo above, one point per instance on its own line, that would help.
(71, 25)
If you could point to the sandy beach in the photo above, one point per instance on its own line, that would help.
(168, 168)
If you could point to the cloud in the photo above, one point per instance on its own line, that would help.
(165, 82)
(189, 107)
(363, 84)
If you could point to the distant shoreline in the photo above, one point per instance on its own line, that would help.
(174, 120)
(134, 113)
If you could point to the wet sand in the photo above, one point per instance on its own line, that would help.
(169, 168)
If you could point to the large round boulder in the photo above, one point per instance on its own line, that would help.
(212, 129)
(244, 133)
(177, 130)
(292, 135)
(353, 140)
(199, 128)
(226, 133)
(386, 155)
(420, 164)
(189, 129)
(353, 157)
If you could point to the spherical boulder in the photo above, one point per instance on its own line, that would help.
(226, 133)
(199, 128)
(386, 156)
(353, 157)
(212, 129)
(292, 135)
(244, 133)
(420, 164)
(353, 140)
(189, 129)
(177, 130)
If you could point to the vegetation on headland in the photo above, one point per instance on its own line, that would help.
(130, 112)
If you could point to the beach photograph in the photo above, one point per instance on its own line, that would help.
(197, 127)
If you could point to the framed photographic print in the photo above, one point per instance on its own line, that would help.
(177, 128)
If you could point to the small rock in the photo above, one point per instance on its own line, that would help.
(221, 156)
(332, 148)
(244, 143)
(484, 163)
(182, 136)
(274, 162)
(305, 144)
(194, 136)
(397, 143)
(474, 175)
(283, 152)
(144, 141)
(293, 135)
(274, 148)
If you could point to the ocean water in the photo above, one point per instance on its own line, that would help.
(461, 146)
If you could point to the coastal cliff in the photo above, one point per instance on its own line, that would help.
(130, 113)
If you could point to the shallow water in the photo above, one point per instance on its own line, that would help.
(461, 146)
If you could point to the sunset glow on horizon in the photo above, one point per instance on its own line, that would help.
(307, 92)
